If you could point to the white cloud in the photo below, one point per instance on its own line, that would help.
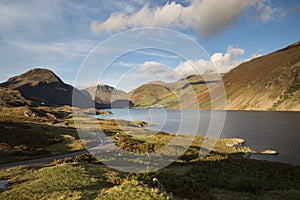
(192, 67)
(266, 13)
(126, 64)
(212, 16)
(219, 62)
(157, 54)
(19, 56)
(206, 17)
(66, 49)
(155, 70)
(152, 67)
(229, 60)
(30, 18)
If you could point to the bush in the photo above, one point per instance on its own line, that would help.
(115, 179)
(245, 184)
(184, 186)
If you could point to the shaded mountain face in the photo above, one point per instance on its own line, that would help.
(104, 94)
(44, 87)
(270, 82)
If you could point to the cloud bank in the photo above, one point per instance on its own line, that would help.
(219, 63)
(206, 17)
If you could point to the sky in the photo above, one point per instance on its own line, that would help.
(128, 43)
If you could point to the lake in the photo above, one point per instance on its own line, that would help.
(262, 130)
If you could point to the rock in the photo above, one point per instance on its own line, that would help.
(98, 112)
(141, 123)
(3, 184)
(94, 111)
(269, 152)
(236, 142)
(240, 141)
(229, 145)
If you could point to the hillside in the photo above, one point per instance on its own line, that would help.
(44, 87)
(270, 82)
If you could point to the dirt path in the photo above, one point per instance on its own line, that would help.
(42, 161)
(106, 142)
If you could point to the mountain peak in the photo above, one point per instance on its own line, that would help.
(35, 77)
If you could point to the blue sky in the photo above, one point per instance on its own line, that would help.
(59, 34)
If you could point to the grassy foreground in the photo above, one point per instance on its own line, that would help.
(221, 174)
(83, 178)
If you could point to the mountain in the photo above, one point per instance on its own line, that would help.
(104, 94)
(46, 88)
(270, 82)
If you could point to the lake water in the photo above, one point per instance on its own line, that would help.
(278, 131)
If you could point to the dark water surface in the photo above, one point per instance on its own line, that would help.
(278, 131)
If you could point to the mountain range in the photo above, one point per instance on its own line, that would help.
(270, 82)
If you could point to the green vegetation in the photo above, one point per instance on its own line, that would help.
(24, 140)
(86, 178)
(288, 94)
(74, 181)
(222, 174)
(28, 140)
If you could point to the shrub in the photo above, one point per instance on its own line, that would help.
(245, 184)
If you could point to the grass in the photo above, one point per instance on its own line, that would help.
(222, 174)
(28, 140)
(25, 140)
(83, 178)
(131, 189)
(56, 182)
(73, 181)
